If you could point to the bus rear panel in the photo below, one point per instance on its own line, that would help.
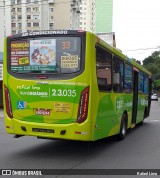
(46, 86)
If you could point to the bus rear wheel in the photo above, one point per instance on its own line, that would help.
(123, 128)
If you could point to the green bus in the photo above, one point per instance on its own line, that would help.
(68, 84)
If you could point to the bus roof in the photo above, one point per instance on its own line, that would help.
(124, 57)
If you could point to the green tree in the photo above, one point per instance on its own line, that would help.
(139, 62)
(157, 83)
(152, 63)
(152, 67)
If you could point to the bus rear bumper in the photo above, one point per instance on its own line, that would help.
(73, 131)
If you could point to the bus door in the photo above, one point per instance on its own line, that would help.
(135, 95)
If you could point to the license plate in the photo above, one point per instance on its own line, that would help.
(42, 130)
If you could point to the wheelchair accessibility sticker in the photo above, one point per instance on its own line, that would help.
(21, 105)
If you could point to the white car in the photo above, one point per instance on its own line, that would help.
(154, 96)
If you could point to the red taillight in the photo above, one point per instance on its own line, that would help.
(8, 102)
(83, 106)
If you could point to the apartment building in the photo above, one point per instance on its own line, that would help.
(29, 15)
(87, 15)
(96, 15)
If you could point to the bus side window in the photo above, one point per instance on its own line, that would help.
(146, 84)
(140, 83)
(128, 79)
(118, 74)
(103, 68)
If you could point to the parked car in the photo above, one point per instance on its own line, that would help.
(154, 96)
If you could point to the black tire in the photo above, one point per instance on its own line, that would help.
(123, 128)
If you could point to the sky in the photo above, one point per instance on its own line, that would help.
(136, 24)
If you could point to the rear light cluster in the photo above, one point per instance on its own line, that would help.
(8, 102)
(83, 106)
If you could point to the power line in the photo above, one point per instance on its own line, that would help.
(142, 49)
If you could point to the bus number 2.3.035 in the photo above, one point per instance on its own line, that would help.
(60, 92)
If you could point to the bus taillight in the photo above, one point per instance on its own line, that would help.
(8, 102)
(83, 106)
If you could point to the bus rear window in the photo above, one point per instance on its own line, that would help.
(46, 55)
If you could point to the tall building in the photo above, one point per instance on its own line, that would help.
(29, 15)
(1, 25)
(104, 15)
(87, 15)
(96, 15)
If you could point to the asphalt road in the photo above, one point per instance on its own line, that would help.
(140, 150)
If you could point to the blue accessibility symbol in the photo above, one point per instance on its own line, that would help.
(20, 105)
